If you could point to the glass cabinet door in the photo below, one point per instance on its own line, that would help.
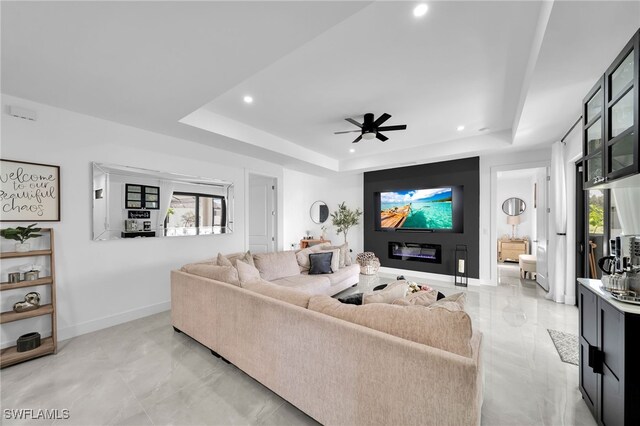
(593, 135)
(621, 118)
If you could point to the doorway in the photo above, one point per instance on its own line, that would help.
(522, 230)
(262, 213)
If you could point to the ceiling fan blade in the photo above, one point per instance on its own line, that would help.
(354, 122)
(384, 117)
(346, 131)
(381, 137)
(357, 139)
(387, 128)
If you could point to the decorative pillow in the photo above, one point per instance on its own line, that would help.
(320, 263)
(423, 298)
(286, 294)
(436, 327)
(245, 257)
(276, 265)
(335, 259)
(455, 302)
(223, 261)
(246, 272)
(302, 256)
(352, 299)
(393, 291)
(344, 253)
(348, 261)
(227, 274)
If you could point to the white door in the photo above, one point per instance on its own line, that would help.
(262, 214)
(542, 229)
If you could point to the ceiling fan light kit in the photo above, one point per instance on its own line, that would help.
(370, 128)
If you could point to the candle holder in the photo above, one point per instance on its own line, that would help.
(461, 273)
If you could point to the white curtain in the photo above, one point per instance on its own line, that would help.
(557, 283)
(166, 191)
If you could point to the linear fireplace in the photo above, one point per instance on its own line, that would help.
(431, 253)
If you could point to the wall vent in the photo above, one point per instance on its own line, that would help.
(23, 113)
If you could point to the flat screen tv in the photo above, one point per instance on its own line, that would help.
(429, 209)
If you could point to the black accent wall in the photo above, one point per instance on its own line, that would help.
(464, 173)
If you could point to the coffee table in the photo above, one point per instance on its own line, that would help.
(366, 284)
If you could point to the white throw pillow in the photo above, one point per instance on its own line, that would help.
(246, 272)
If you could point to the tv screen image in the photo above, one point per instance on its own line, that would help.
(429, 209)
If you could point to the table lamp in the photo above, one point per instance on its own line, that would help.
(513, 221)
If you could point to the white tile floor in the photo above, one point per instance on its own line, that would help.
(142, 373)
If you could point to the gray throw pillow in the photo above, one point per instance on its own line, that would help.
(320, 263)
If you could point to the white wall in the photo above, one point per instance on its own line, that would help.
(104, 283)
(519, 187)
(302, 189)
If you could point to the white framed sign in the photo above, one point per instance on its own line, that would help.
(29, 192)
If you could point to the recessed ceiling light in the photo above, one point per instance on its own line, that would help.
(420, 10)
(460, 128)
(352, 150)
(248, 99)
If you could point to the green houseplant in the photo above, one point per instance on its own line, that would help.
(344, 218)
(21, 234)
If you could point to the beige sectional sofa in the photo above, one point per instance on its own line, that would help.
(289, 269)
(341, 364)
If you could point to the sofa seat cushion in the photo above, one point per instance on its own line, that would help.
(438, 327)
(343, 273)
(286, 294)
(226, 274)
(311, 284)
(273, 266)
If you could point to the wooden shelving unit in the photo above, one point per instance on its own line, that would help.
(49, 345)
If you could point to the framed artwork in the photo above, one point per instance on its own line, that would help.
(29, 192)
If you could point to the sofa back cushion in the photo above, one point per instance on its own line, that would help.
(273, 266)
(289, 295)
(226, 274)
(344, 253)
(438, 327)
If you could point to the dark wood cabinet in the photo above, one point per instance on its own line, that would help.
(610, 121)
(609, 354)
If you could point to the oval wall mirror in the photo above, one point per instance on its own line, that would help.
(514, 206)
(319, 212)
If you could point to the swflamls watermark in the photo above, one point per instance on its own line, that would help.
(36, 414)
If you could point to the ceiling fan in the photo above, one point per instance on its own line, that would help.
(371, 129)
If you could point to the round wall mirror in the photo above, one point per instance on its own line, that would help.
(319, 212)
(514, 206)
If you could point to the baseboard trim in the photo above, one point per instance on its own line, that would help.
(109, 321)
(429, 275)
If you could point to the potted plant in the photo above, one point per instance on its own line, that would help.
(21, 235)
(344, 218)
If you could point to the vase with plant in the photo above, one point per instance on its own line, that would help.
(21, 234)
(344, 218)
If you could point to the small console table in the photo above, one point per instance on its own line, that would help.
(308, 243)
(510, 250)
